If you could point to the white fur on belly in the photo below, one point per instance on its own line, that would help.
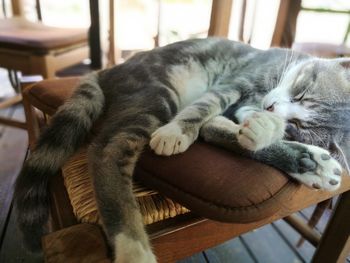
(189, 80)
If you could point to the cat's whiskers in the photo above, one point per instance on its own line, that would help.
(271, 82)
(306, 134)
(319, 139)
(287, 67)
(283, 69)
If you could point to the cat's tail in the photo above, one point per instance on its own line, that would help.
(66, 132)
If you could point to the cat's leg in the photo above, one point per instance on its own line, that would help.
(176, 136)
(112, 161)
(310, 165)
(222, 132)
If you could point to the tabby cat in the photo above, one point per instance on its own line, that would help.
(233, 95)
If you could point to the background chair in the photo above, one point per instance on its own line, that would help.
(33, 48)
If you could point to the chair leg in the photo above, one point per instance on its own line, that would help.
(335, 242)
(32, 122)
(14, 80)
(316, 216)
(43, 65)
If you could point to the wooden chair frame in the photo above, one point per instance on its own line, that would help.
(185, 235)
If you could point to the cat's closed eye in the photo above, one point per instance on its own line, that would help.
(299, 97)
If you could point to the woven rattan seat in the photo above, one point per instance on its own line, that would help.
(154, 207)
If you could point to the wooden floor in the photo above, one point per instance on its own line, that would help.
(269, 244)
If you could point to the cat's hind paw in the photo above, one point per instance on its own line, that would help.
(169, 139)
(260, 130)
(129, 250)
(318, 170)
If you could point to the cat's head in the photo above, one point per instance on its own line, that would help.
(313, 95)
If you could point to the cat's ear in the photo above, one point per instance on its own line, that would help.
(345, 64)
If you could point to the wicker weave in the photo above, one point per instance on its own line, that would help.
(154, 207)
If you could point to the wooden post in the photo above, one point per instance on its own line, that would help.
(285, 27)
(94, 35)
(44, 65)
(32, 123)
(242, 20)
(220, 18)
(335, 242)
(17, 7)
(307, 232)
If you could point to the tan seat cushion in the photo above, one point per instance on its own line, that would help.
(22, 34)
(208, 180)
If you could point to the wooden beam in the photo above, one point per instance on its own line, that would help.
(69, 57)
(111, 35)
(17, 8)
(285, 26)
(13, 123)
(220, 18)
(11, 101)
(242, 21)
(181, 238)
(299, 225)
(94, 35)
(335, 242)
(32, 121)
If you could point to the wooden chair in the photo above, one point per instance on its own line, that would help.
(33, 48)
(175, 231)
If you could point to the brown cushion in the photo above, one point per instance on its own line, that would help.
(216, 183)
(22, 34)
(208, 180)
(48, 95)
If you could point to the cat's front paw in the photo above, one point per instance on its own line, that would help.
(260, 130)
(318, 170)
(169, 139)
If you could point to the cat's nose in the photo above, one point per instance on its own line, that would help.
(271, 107)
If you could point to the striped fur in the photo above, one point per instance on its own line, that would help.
(165, 98)
(67, 131)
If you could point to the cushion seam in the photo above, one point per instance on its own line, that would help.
(279, 192)
(41, 102)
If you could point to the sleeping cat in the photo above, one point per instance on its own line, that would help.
(235, 96)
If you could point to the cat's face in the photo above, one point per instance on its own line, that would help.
(313, 96)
